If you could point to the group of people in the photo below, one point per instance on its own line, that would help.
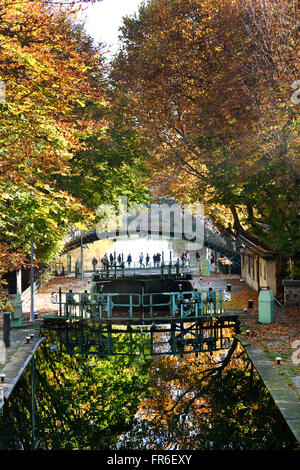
(111, 260)
(186, 258)
(107, 261)
(156, 260)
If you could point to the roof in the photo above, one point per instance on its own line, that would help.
(258, 250)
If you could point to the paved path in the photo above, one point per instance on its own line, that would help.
(16, 357)
(284, 397)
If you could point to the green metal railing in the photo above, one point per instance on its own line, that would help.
(102, 306)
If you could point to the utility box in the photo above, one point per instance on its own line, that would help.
(266, 305)
(16, 317)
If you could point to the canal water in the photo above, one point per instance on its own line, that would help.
(81, 393)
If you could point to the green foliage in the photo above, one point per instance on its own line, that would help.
(42, 214)
(111, 163)
(86, 402)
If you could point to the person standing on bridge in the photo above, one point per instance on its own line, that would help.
(141, 260)
(154, 260)
(198, 259)
(111, 258)
(94, 263)
(129, 260)
(105, 260)
(119, 259)
(147, 259)
(158, 256)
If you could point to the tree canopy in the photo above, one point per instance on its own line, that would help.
(60, 156)
(210, 85)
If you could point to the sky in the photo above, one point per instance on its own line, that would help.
(102, 20)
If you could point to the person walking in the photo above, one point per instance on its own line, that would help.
(141, 260)
(111, 259)
(188, 258)
(154, 260)
(183, 258)
(129, 260)
(147, 259)
(158, 256)
(119, 259)
(198, 259)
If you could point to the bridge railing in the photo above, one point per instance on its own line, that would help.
(116, 306)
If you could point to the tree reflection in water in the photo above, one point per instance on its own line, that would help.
(213, 402)
(92, 401)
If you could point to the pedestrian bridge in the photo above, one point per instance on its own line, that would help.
(225, 246)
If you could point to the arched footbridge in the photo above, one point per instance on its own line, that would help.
(225, 246)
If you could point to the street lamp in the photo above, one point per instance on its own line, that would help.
(32, 281)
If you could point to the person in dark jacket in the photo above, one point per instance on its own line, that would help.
(94, 263)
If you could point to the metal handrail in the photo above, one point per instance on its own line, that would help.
(95, 305)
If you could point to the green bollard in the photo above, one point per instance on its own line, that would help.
(266, 305)
(205, 267)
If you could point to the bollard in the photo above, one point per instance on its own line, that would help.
(266, 305)
(6, 329)
(228, 288)
(250, 303)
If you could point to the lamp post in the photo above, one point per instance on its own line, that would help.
(81, 253)
(32, 281)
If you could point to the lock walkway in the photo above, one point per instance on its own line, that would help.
(15, 358)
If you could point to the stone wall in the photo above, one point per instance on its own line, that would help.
(291, 293)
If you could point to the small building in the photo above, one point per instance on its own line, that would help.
(262, 268)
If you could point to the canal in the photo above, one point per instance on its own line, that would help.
(87, 391)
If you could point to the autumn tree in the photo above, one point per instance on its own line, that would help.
(111, 162)
(48, 74)
(210, 85)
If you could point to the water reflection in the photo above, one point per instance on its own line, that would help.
(148, 340)
(213, 400)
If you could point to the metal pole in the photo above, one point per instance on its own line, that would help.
(59, 297)
(81, 254)
(32, 283)
(33, 403)
(6, 329)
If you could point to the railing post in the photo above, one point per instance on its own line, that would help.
(130, 305)
(59, 297)
(6, 329)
